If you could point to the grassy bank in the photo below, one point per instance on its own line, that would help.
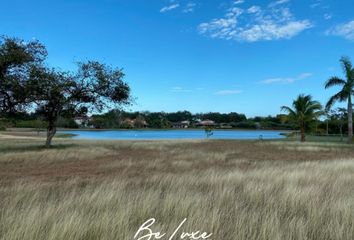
(236, 190)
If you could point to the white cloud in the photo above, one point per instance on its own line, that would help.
(227, 92)
(345, 30)
(287, 80)
(279, 2)
(255, 24)
(169, 7)
(237, 2)
(315, 5)
(319, 4)
(327, 16)
(189, 7)
(273, 31)
(254, 9)
(180, 90)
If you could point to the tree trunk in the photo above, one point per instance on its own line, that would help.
(350, 120)
(51, 131)
(302, 129)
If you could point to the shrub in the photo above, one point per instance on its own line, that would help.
(29, 124)
(67, 123)
(245, 125)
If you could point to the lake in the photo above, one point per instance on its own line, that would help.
(175, 134)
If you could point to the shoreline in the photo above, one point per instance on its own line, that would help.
(174, 129)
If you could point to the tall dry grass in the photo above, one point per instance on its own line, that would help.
(212, 184)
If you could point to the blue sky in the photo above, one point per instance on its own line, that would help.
(249, 56)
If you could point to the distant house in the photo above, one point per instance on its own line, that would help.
(140, 122)
(128, 122)
(82, 121)
(135, 123)
(183, 124)
(206, 123)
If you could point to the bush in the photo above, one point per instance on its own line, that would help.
(67, 123)
(29, 124)
(245, 125)
(2, 128)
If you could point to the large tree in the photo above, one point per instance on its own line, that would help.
(338, 117)
(17, 57)
(346, 92)
(94, 87)
(304, 111)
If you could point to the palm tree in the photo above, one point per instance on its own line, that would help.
(304, 111)
(345, 94)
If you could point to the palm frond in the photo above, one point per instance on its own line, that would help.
(288, 110)
(339, 97)
(347, 66)
(335, 81)
(315, 106)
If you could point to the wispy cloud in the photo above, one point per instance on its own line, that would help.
(227, 92)
(255, 24)
(327, 16)
(286, 80)
(254, 9)
(279, 2)
(237, 2)
(345, 30)
(169, 7)
(189, 7)
(180, 90)
(319, 4)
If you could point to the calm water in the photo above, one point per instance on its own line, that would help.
(175, 134)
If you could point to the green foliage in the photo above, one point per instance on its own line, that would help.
(30, 124)
(126, 126)
(345, 94)
(179, 116)
(25, 80)
(303, 112)
(115, 119)
(157, 120)
(98, 122)
(222, 117)
(245, 125)
(17, 58)
(347, 85)
(66, 123)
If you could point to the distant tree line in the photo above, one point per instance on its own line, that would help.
(116, 118)
(335, 122)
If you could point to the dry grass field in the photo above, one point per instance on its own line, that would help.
(87, 190)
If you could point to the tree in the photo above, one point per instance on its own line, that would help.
(17, 57)
(94, 87)
(236, 117)
(338, 116)
(179, 116)
(304, 111)
(157, 120)
(346, 92)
